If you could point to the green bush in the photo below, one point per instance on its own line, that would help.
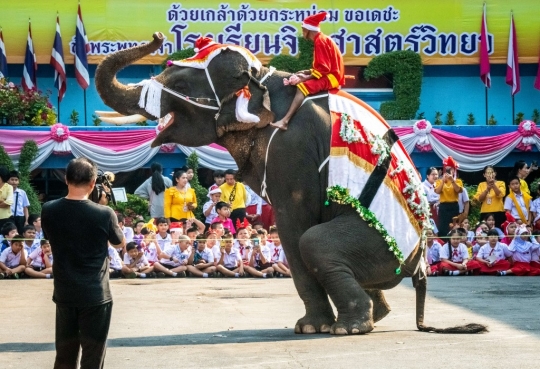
(474, 206)
(135, 208)
(200, 191)
(405, 67)
(293, 64)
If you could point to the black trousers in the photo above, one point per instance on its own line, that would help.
(239, 214)
(82, 327)
(447, 210)
(19, 223)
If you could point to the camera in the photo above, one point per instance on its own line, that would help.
(195, 244)
(102, 192)
(448, 170)
(256, 242)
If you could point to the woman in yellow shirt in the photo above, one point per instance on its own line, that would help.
(491, 194)
(449, 187)
(6, 196)
(179, 201)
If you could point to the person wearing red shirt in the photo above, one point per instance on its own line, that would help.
(328, 70)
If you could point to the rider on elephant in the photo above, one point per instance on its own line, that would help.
(328, 71)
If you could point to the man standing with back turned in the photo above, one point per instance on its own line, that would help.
(78, 231)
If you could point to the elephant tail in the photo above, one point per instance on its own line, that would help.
(420, 285)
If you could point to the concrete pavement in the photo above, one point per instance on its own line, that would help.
(245, 323)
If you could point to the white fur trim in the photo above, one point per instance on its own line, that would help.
(311, 28)
(202, 64)
(242, 113)
(150, 98)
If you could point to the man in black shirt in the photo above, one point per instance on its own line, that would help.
(79, 231)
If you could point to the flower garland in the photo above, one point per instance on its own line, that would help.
(379, 147)
(340, 195)
(348, 131)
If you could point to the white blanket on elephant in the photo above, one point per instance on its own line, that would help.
(356, 150)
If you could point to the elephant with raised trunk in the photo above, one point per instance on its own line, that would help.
(331, 251)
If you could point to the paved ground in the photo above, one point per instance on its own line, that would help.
(219, 323)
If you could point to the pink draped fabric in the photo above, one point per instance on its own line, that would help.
(402, 131)
(118, 140)
(476, 145)
(13, 140)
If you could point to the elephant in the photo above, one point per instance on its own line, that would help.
(331, 251)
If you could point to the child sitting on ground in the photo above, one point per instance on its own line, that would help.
(522, 248)
(39, 262)
(29, 235)
(260, 262)
(433, 253)
(13, 259)
(149, 246)
(243, 245)
(278, 255)
(223, 211)
(535, 256)
(138, 237)
(9, 230)
(491, 257)
(117, 268)
(163, 238)
(201, 260)
(137, 262)
(128, 231)
(466, 225)
(454, 255)
(230, 263)
(35, 220)
(174, 258)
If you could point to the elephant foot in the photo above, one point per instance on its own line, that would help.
(351, 326)
(314, 323)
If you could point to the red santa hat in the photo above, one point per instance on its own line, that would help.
(312, 22)
(450, 162)
(202, 43)
(214, 189)
(175, 226)
(509, 220)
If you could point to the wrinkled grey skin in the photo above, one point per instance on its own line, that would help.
(331, 251)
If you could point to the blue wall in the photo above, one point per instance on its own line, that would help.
(446, 87)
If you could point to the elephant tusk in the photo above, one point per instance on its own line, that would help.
(100, 113)
(121, 120)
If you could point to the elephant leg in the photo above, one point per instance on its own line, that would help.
(380, 306)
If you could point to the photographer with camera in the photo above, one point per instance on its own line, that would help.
(449, 187)
(79, 232)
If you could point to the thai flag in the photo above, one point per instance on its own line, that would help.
(485, 74)
(3, 58)
(57, 62)
(512, 63)
(81, 50)
(30, 64)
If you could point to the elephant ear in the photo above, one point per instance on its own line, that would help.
(259, 105)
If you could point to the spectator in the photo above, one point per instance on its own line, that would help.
(223, 211)
(492, 256)
(13, 259)
(174, 258)
(163, 238)
(260, 260)
(19, 208)
(243, 245)
(9, 230)
(6, 197)
(153, 189)
(235, 194)
(522, 249)
(117, 268)
(201, 260)
(79, 232)
(189, 174)
(35, 220)
(490, 221)
(463, 206)
(258, 210)
(230, 263)
(180, 200)
(432, 174)
(30, 243)
(454, 255)
(137, 262)
(278, 255)
(535, 206)
(491, 195)
(517, 202)
(209, 208)
(509, 228)
(127, 231)
(217, 228)
(219, 178)
(433, 253)
(466, 225)
(138, 237)
(213, 244)
(522, 171)
(150, 246)
(449, 187)
(39, 262)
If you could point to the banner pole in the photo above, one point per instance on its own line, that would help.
(85, 121)
(513, 112)
(58, 116)
(486, 106)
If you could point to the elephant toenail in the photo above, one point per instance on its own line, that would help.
(355, 331)
(325, 328)
(308, 329)
(340, 331)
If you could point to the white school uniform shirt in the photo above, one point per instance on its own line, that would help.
(459, 253)
(232, 260)
(207, 205)
(535, 255)
(535, 208)
(37, 260)
(500, 251)
(429, 189)
(150, 252)
(509, 205)
(10, 259)
(244, 253)
(163, 242)
(525, 257)
(462, 199)
(434, 252)
(22, 202)
(283, 258)
(267, 253)
(216, 251)
(173, 250)
(140, 263)
(255, 200)
(276, 252)
(35, 245)
(128, 233)
(207, 255)
(115, 262)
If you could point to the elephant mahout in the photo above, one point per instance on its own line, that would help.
(331, 250)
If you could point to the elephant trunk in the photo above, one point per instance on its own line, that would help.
(122, 98)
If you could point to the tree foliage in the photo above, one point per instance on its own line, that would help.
(405, 67)
(200, 191)
(293, 64)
